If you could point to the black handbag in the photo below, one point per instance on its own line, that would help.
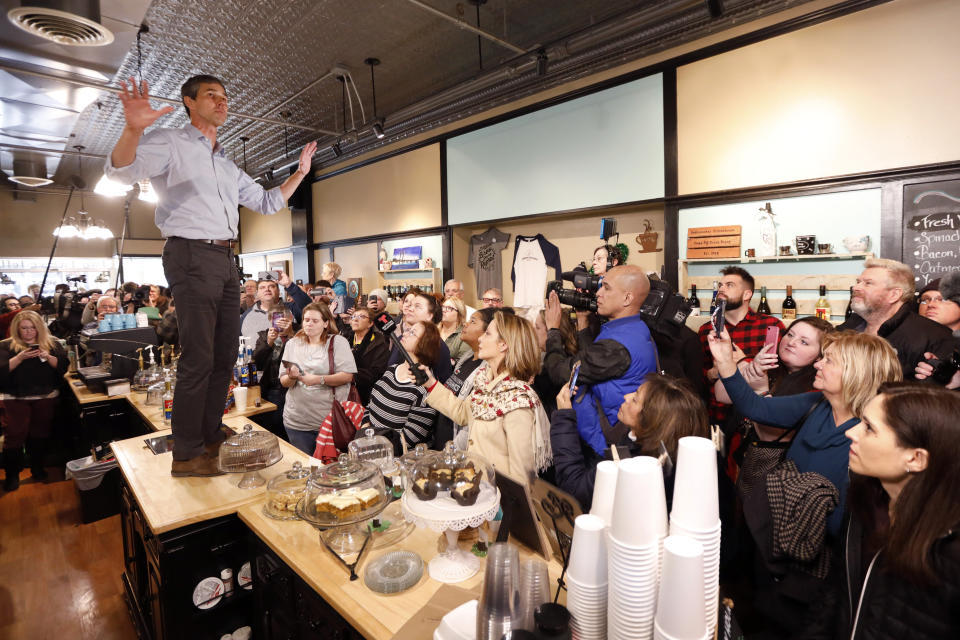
(761, 457)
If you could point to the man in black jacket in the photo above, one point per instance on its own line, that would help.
(880, 309)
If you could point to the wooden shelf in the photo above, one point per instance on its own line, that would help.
(409, 270)
(816, 256)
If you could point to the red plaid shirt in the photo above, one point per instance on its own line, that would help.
(749, 334)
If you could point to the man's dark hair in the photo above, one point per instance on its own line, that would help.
(192, 85)
(324, 283)
(739, 271)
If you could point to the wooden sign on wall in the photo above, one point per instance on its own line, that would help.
(714, 242)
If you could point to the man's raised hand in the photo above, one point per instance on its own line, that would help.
(136, 106)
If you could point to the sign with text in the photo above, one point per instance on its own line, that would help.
(931, 229)
(714, 242)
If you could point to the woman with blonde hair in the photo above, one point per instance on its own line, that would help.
(506, 420)
(32, 365)
(452, 318)
(851, 369)
(316, 368)
(331, 273)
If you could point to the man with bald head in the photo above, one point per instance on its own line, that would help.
(618, 360)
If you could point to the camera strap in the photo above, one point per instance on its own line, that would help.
(612, 434)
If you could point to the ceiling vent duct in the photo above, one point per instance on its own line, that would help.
(30, 173)
(74, 23)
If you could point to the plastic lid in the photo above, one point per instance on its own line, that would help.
(343, 473)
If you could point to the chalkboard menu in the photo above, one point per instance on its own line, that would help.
(931, 229)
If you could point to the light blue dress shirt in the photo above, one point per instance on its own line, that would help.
(198, 187)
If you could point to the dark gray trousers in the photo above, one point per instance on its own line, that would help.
(206, 292)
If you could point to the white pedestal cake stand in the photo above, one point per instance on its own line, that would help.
(443, 514)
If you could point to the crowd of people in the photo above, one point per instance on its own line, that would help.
(836, 438)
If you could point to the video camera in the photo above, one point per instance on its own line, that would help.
(583, 296)
(665, 311)
(67, 310)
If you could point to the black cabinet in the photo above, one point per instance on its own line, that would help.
(287, 608)
(161, 574)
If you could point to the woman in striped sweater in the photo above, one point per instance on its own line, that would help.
(398, 406)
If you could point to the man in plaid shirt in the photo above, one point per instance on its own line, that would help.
(747, 329)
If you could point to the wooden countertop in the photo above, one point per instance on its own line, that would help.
(84, 395)
(153, 415)
(169, 503)
(376, 616)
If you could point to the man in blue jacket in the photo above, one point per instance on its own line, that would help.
(619, 359)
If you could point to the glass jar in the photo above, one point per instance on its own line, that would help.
(372, 448)
(284, 491)
(344, 492)
(458, 474)
(410, 459)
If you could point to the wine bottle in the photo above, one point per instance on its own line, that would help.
(713, 300)
(789, 309)
(694, 301)
(823, 305)
(849, 312)
(763, 307)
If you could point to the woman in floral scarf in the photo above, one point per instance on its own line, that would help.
(508, 426)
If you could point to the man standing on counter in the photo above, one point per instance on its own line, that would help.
(199, 190)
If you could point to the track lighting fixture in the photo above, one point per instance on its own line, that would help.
(377, 121)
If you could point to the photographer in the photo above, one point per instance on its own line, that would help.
(622, 355)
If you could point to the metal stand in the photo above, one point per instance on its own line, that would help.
(351, 566)
(560, 511)
(123, 235)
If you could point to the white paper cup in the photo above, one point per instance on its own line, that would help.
(680, 606)
(640, 504)
(588, 551)
(604, 490)
(695, 501)
(240, 396)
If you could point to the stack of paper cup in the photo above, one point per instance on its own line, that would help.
(680, 601)
(604, 489)
(587, 579)
(635, 544)
(696, 513)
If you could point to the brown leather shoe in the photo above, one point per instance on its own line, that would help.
(203, 465)
(213, 450)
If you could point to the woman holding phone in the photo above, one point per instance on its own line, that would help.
(32, 365)
(783, 369)
(266, 355)
(316, 368)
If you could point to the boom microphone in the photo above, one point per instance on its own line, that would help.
(386, 324)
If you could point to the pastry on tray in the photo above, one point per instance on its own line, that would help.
(425, 489)
(465, 493)
(339, 506)
(442, 476)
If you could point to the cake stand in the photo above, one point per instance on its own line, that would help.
(443, 514)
